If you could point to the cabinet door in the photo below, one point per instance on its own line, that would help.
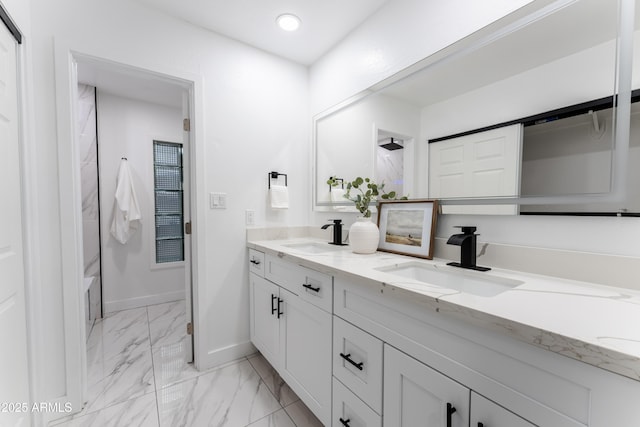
(485, 413)
(306, 353)
(416, 395)
(264, 322)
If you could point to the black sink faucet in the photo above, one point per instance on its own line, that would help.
(467, 243)
(337, 231)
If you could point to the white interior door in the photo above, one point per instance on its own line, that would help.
(14, 386)
(483, 164)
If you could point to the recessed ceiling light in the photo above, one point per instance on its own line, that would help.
(288, 22)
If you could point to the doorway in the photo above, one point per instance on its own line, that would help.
(136, 110)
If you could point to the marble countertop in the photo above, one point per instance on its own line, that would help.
(598, 325)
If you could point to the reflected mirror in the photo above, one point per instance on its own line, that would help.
(516, 118)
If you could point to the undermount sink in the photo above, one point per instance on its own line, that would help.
(468, 282)
(313, 247)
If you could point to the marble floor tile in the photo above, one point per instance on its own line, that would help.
(302, 416)
(277, 419)
(121, 366)
(139, 412)
(276, 384)
(138, 376)
(167, 323)
(124, 329)
(231, 396)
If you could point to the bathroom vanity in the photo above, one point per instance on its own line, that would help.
(389, 340)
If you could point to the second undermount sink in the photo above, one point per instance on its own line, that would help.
(468, 282)
(313, 247)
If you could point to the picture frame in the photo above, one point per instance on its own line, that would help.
(407, 227)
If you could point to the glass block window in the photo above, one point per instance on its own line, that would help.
(167, 167)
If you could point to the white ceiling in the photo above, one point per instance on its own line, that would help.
(324, 22)
(128, 82)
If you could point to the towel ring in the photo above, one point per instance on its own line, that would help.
(275, 175)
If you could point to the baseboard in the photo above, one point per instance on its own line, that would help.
(224, 355)
(126, 304)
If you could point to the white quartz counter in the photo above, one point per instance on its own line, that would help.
(598, 325)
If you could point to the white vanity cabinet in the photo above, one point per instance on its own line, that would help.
(434, 358)
(416, 395)
(293, 334)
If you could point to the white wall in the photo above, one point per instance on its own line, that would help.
(255, 119)
(127, 128)
(343, 72)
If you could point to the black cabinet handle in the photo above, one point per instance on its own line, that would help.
(345, 422)
(273, 308)
(254, 261)
(450, 411)
(480, 425)
(279, 312)
(311, 288)
(347, 357)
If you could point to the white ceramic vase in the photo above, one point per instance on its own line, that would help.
(364, 236)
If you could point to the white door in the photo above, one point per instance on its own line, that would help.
(14, 386)
(485, 413)
(264, 322)
(483, 164)
(417, 396)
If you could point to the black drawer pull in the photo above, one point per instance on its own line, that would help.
(345, 423)
(450, 410)
(273, 308)
(347, 357)
(311, 288)
(280, 300)
(254, 261)
(480, 425)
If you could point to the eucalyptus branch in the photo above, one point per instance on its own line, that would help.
(365, 191)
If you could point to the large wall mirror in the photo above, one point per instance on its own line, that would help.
(529, 115)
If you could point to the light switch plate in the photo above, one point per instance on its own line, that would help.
(218, 200)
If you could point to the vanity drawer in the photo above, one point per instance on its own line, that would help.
(351, 410)
(310, 285)
(256, 262)
(357, 362)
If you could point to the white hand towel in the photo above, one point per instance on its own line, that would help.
(279, 195)
(126, 211)
(337, 196)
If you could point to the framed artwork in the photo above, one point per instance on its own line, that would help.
(407, 227)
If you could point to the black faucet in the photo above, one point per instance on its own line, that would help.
(337, 231)
(467, 243)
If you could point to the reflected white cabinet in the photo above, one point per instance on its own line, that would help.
(418, 396)
(295, 337)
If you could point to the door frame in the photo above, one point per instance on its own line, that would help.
(67, 58)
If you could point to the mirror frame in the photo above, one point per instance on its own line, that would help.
(494, 31)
